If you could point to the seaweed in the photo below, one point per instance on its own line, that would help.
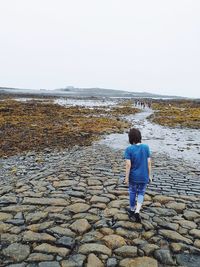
(182, 113)
(36, 125)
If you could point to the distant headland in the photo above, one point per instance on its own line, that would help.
(85, 92)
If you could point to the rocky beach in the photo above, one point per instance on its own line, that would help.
(62, 204)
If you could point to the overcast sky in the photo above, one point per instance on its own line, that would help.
(135, 45)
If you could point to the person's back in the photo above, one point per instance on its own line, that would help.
(138, 155)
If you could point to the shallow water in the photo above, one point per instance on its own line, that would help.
(26, 99)
(85, 102)
(174, 142)
(73, 102)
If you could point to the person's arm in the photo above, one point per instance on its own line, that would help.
(128, 167)
(149, 169)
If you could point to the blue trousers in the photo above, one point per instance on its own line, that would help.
(136, 190)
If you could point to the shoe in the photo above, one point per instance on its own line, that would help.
(130, 212)
(137, 217)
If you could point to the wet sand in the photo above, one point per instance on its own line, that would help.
(183, 144)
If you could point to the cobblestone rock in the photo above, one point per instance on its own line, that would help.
(37, 257)
(76, 260)
(30, 236)
(185, 259)
(111, 262)
(71, 211)
(5, 216)
(172, 235)
(97, 199)
(178, 207)
(195, 233)
(17, 252)
(164, 256)
(139, 262)
(126, 251)
(93, 260)
(114, 241)
(80, 226)
(190, 215)
(149, 249)
(49, 264)
(92, 248)
(66, 242)
(78, 207)
(47, 248)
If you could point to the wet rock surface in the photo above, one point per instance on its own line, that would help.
(68, 209)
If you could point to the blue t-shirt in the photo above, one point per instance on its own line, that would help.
(138, 154)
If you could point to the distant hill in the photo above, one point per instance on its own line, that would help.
(83, 92)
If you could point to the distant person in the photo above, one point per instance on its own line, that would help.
(138, 172)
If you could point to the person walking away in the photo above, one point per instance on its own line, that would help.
(138, 171)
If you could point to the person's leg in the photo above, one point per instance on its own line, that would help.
(132, 196)
(140, 198)
(141, 188)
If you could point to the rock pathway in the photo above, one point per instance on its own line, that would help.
(68, 209)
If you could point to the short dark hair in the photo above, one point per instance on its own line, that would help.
(134, 136)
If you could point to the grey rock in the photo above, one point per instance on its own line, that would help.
(66, 241)
(164, 256)
(126, 251)
(168, 225)
(17, 265)
(16, 221)
(111, 262)
(190, 215)
(49, 264)
(17, 252)
(76, 260)
(163, 211)
(33, 264)
(172, 235)
(149, 248)
(190, 260)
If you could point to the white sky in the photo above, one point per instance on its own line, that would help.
(135, 45)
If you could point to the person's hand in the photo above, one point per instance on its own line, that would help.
(126, 181)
